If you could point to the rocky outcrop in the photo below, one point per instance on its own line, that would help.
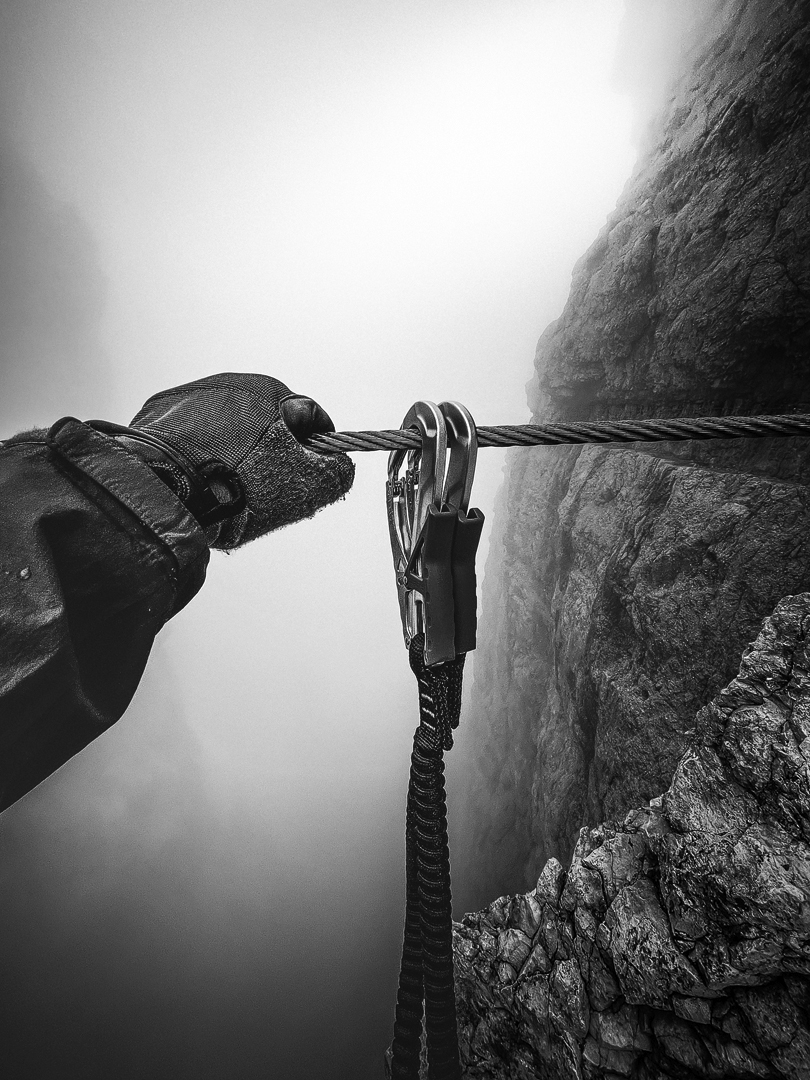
(621, 590)
(623, 584)
(677, 943)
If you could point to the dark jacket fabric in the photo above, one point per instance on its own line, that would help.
(96, 554)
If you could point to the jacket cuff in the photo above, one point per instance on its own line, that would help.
(129, 480)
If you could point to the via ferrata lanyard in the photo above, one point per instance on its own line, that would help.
(434, 538)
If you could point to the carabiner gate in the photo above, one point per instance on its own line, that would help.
(433, 537)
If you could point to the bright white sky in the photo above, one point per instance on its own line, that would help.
(375, 202)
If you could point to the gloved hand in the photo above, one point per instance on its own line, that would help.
(240, 433)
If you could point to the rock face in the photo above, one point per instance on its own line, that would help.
(624, 584)
(677, 943)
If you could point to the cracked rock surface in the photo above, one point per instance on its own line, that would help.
(676, 944)
(623, 584)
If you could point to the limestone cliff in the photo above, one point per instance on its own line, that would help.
(623, 584)
(677, 943)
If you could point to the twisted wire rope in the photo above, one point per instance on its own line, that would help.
(597, 431)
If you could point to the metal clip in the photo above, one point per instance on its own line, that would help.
(434, 537)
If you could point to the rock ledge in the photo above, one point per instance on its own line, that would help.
(677, 942)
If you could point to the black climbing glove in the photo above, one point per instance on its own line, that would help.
(230, 446)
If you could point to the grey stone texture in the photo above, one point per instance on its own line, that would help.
(624, 583)
(675, 944)
(622, 587)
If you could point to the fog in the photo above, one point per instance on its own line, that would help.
(374, 203)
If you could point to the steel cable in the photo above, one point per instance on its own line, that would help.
(678, 429)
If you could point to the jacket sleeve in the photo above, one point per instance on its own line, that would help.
(96, 554)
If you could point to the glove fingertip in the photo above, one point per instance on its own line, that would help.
(305, 417)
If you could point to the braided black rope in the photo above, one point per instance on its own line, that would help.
(598, 431)
(426, 982)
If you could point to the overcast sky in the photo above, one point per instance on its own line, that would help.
(375, 202)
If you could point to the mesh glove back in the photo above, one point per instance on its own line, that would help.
(238, 421)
